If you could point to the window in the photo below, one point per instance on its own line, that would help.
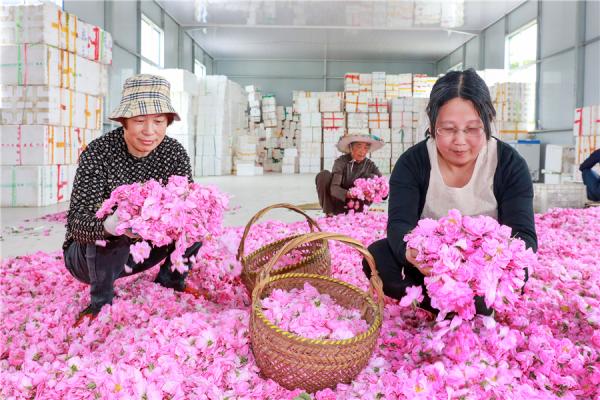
(521, 56)
(152, 46)
(199, 69)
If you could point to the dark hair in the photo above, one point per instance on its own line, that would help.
(466, 85)
(170, 119)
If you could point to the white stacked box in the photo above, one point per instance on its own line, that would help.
(43, 144)
(221, 105)
(35, 185)
(44, 105)
(47, 23)
(365, 83)
(352, 82)
(333, 120)
(269, 111)
(41, 64)
(379, 120)
(357, 102)
(558, 163)
(53, 78)
(303, 105)
(514, 103)
(330, 104)
(184, 97)
(381, 161)
(422, 85)
(398, 86)
(332, 135)
(358, 120)
(377, 104)
(309, 149)
(384, 134)
(378, 81)
(289, 161)
(586, 129)
(310, 120)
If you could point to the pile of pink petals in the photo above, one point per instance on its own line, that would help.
(372, 190)
(155, 343)
(178, 211)
(470, 256)
(313, 315)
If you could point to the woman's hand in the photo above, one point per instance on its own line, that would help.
(411, 257)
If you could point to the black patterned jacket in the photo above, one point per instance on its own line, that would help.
(106, 164)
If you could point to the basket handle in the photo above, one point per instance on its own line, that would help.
(311, 223)
(375, 289)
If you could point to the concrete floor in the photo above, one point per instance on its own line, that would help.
(23, 233)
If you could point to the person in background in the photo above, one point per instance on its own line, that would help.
(332, 187)
(458, 166)
(591, 179)
(137, 151)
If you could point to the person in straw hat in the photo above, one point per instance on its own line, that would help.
(332, 187)
(137, 151)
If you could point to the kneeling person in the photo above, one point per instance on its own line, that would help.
(136, 152)
(332, 187)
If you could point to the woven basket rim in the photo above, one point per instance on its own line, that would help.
(323, 342)
(283, 270)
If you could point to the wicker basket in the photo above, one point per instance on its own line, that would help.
(315, 255)
(310, 364)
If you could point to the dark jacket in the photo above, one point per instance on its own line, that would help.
(591, 161)
(345, 172)
(409, 182)
(106, 164)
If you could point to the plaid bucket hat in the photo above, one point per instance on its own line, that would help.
(145, 94)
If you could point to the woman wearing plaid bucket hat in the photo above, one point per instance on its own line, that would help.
(332, 187)
(137, 151)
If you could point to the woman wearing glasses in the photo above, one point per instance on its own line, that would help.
(459, 165)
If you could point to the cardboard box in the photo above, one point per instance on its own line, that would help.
(333, 120)
(40, 64)
(379, 120)
(330, 104)
(358, 120)
(47, 23)
(378, 105)
(357, 103)
(33, 186)
(383, 133)
(43, 105)
(43, 145)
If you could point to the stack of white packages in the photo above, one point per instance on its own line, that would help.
(221, 117)
(269, 111)
(53, 76)
(334, 125)
(254, 98)
(311, 135)
(184, 96)
(365, 82)
(352, 82)
(514, 103)
(422, 85)
(586, 129)
(378, 81)
(398, 86)
(408, 124)
(289, 163)
(244, 156)
(379, 125)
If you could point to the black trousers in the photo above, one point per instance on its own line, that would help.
(100, 266)
(396, 277)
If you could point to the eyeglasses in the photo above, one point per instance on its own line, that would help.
(469, 132)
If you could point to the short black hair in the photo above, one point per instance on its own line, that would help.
(170, 119)
(466, 85)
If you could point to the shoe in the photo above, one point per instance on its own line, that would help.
(88, 314)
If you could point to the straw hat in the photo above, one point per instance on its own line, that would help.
(145, 95)
(345, 142)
